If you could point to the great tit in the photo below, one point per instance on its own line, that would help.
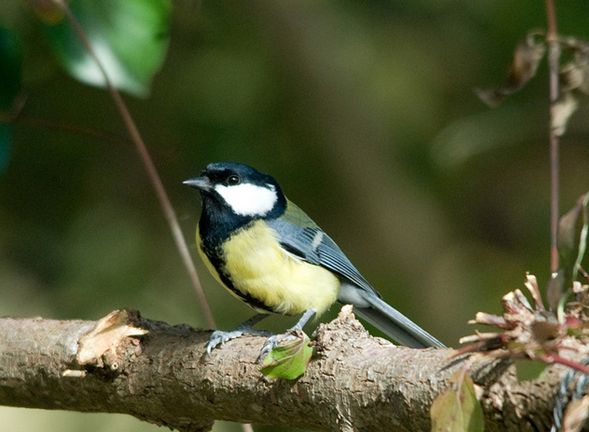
(268, 253)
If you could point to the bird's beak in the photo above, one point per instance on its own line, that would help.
(202, 183)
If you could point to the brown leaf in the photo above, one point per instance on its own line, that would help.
(531, 284)
(526, 58)
(545, 330)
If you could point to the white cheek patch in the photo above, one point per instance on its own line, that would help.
(248, 199)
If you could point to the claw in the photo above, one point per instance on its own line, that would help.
(219, 337)
(276, 340)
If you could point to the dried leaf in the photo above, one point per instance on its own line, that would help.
(562, 111)
(509, 304)
(457, 409)
(574, 75)
(584, 87)
(579, 288)
(105, 337)
(531, 284)
(526, 58)
(543, 331)
(523, 300)
(575, 415)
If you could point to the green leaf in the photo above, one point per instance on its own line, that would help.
(130, 37)
(457, 409)
(573, 228)
(528, 370)
(289, 360)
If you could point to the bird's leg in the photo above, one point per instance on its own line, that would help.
(219, 337)
(302, 322)
(290, 334)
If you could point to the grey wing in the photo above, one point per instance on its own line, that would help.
(314, 246)
(311, 244)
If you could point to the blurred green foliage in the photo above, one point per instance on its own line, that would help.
(130, 37)
(10, 80)
(365, 113)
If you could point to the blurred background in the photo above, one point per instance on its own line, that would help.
(365, 113)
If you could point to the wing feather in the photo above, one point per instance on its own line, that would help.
(311, 244)
(298, 234)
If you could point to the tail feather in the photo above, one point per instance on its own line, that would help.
(395, 324)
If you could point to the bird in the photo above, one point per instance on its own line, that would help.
(269, 254)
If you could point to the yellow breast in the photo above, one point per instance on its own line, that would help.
(259, 267)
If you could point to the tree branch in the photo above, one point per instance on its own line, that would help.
(356, 382)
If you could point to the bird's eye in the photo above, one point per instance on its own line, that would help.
(233, 180)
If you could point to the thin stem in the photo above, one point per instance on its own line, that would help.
(145, 157)
(553, 66)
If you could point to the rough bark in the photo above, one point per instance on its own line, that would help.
(355, 382)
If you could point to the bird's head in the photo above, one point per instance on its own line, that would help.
(239, 189)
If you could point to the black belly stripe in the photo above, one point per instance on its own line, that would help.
(252, 301)
(218, 263)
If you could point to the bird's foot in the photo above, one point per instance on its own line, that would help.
(219, 337)
(279, 339)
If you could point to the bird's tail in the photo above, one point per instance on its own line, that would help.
(395, 324)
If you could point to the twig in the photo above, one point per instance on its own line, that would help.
(7, 117)
(553, 66)
(152, 173)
